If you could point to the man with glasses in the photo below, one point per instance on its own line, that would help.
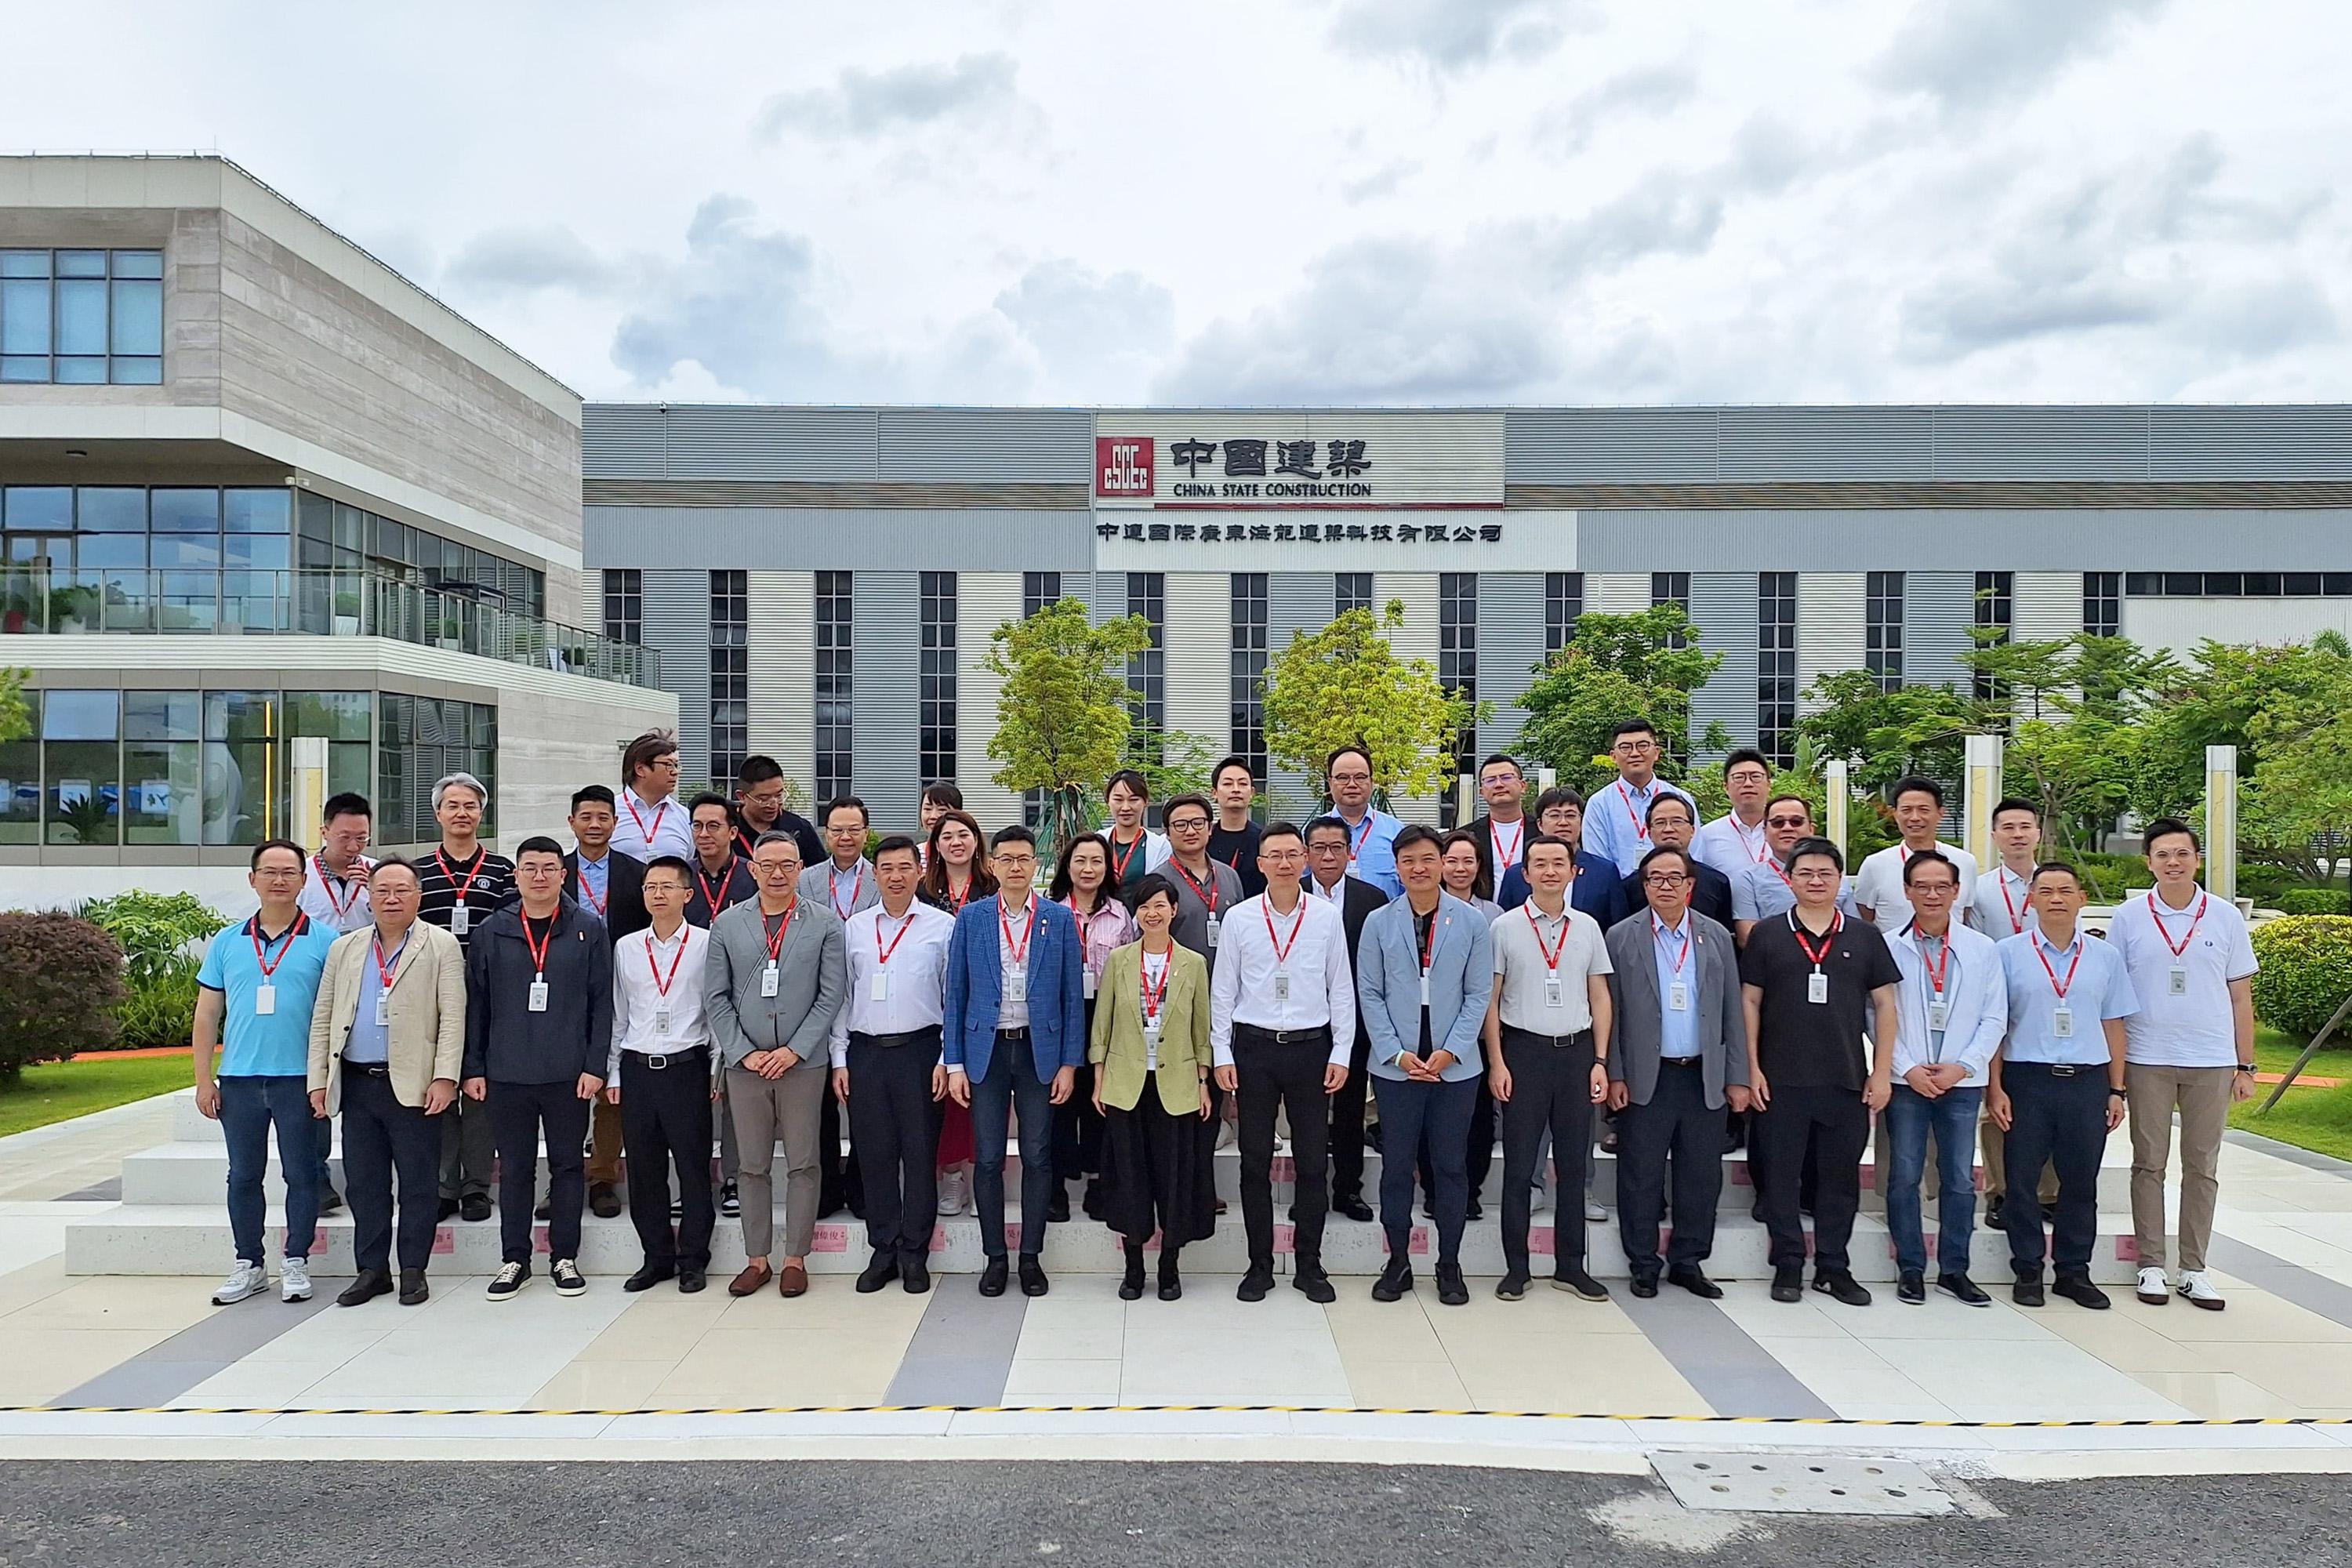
(759, 792)
(2003, 907)
(658, 1076)
(1206, 891)
(721, 878)
(1617, 818)
(651, 824)
(335, 897)
(848, 886)
(1348, 773)
(612, 888)
(1737, 839)
(1358, 901)
(462, 885)
(1594, 884)
(1503, 830)
(1673, 821)
(1763, 891)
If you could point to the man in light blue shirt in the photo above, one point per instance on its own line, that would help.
(1616, 820)
(371, 1038)
(1371, 834)
(2057, 1087)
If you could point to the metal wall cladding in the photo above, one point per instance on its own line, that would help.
(624, 440)
(1855, 445)
(2280, 442)
(1510, 646)
(678, 624)
(2154, 539)
(2044, 606)
(1197, 636)
(2055, 443)
(780, 672)
(1831, 608)
(886, 688)
(979, 446)
(1105, 595)
(846, 538)
(1723, 606)
(1610, 446)
(1939, 609)
(731, 441)
(984, 601)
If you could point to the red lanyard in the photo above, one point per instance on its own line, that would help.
(856, 891)
(1361, 840)
(776, 940)
(384, 970)
(1760, 848)
(1208, 894)
(1028, 930)
(661, 981)
(2071, 967)
(2016, 925)
(1939, 966)
(1510, 857)
(260, 954)
(481, 859)
(538, 949)
(882, 955)
(956, 901)
(629, 799)
(1118, 862)
(1550, 954)
(1151, 999)
(340, 905)
(1297, 922)
(2158, 912)
(726, 885)
(1429, 948)
(1658, 935)
(580, 879)
(1837, 924)
(1641, 829)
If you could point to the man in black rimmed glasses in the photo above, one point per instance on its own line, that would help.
(1673, 823)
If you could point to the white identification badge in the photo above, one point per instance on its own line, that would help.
(2062, 1022)
(1678, 996)
(382, 1009)
(461, 920)
(661, 1021)
(1817, 988)
(1282, 985)
(1151, 1035)
(1092, 980)
(879, 988)
(1940, 1013)
(1016, 984)
(1215, 925)
(265, 1000)
(1425, 988)
(1553, 997)
(768, 980)
(2177, 981)
(539, 996)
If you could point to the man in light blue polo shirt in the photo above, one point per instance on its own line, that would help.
(1371, 833)
(1617, 818)
(255, 991)
(2057, 1087)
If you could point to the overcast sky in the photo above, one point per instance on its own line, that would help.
(1295, 201)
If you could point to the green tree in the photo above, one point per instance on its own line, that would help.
(1611, 669)
(15, 713)
(1883, 735)
(2073, 708)
(1064, 712)
(1346, 685)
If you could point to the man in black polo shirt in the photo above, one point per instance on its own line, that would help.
(1811, 982)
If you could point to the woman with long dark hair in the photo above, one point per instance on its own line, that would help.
(955, 872)
(1081, 881)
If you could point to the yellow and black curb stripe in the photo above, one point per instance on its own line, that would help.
(2183, 1421)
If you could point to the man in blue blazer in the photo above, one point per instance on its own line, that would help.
(1015, 1034)
(1424, 974)
(1595, 888)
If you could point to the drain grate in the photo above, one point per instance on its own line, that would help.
(1801, 1483)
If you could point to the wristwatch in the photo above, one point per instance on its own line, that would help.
(2246, 1067)
(2118, 1094)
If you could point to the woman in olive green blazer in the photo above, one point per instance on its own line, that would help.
(1150, 1051)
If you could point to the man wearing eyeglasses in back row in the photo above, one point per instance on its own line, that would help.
(1617, 818)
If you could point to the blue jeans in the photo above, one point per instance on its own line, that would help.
(1012, 1083)
(1952, 1118)
(249, 1108)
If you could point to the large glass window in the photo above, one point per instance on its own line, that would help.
(1563, 607)
(2103, 604)
(1247, 674)
(1776, 666)
(1883, 628)
(625, 603)
(78, 761)
(81, 316)
(833, 710)
(938, 698)
(418, 740)
(1039, 589)
(244, 734)
(1351, 591)
(1458, 669)
(1996, 598)
(1147, 672)
(730, 680)
(20, 781)
(162, 767)
(1671, 588)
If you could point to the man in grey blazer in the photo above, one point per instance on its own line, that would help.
(1682, 1051)
(776, 976)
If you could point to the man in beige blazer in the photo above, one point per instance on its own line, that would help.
(387, 1040)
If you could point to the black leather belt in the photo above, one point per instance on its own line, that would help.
(1557, 1042)
(1020, 1034)
(1320, 1032)
(1682, 1061)
(368, 1069)
(662, 1061)
(2060, 1070)
(905, 1037)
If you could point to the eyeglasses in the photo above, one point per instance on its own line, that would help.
(1634, 746)
(1190, 824)
(1016, 861)
(1787, 821)
(279, 873)
(1664, 879)
(1814, 876)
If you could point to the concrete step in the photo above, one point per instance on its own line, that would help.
(184, 1239)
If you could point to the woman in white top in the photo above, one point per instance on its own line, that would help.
(1080, 879)
(1464, 874)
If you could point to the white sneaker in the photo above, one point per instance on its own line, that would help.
(1227, 1135)
(294, 1280)
(1594, 1213)
(244, 1280)
(2198, 1288)
(955, 1192)
(1538, 1199)
(2152, 1288)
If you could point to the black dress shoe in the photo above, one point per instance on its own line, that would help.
(414, 1291)
(1394, 1280)
(691, 1281)
(879, 1271)
(329, 1201)
(1254, 1284)
(1788, 1283)
(1452, 1291)
(448, 1210)
(603, 1200)
(914, 1273)
(1512, 1286)
(371, 1283)
(474, 1207)
(1354, 1208)
(1130, 1284)
(1091, 1205)
(1474, 1211)
(2078, 1289)
(991, 1276)
(1309, 1280)
(1057, 1210)
(651, 1275)
(1172, 1285)
(1695, 1282)
(1963, 1289)
(545, 1210)
(1840, 1285)
(1033, 1276)
(1912, 1289)
(1992, 1214)
(1645, 1286)
(2027, 1293)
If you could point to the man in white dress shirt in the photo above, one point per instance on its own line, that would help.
(664, 1079)
(652, 822)
(2002, 908)
(1878, 893)
(1281, 1025)
(1617, 818)
(886, 1064)
(1735, 840)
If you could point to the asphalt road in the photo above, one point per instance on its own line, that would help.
(584, 1515)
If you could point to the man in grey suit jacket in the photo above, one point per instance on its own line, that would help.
(776, 976)
(1682, 1050)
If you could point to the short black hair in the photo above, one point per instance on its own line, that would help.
(1338, 752)
(1217, 773)
(1801, 800)
(757, 770)
(1633, 727)
(1202, 801)
(1661, 798)
(840, 803)
(537, 844)
(601, 794)
(710, 797)
(1555, 797)
(2052, 866)
(894, 843)
(1825, 848)
(1013, 834)
(1690, 865)
(671, 862)
(1910, 782)
(1929, 858)
(1413, 833)
(1551, 839)
(350, 803)
(2014, 803)
(301, 855)
(1318, 824)
(1493, 757)
(2167, 827)
(1133, 779)
(939, 792)
(1748, 754)
(1149, 886)
(1288, 830)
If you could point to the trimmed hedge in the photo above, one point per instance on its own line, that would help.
(61, 982)
(2312, 901)
(2307, 970)
(163, 937)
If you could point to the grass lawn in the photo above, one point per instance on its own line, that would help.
(56, 1091)
(2316, 1119)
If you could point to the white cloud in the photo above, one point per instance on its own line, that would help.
(1451, 34)
(863, 104)
(1976, 55)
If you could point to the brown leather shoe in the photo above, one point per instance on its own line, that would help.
(792, 1280)
(749, 1282)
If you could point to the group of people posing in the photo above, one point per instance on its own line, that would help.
(724, 965)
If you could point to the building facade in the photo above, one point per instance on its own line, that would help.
(821, 583)
(267, 508)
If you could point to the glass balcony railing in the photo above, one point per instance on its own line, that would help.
(307, 604)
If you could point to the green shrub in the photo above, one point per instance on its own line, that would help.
(2306, 969)
(2308, 901)
(61, 982)
(2107, 877)
(162, 936)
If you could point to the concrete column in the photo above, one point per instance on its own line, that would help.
(1836, 797)
(2222, 820)
(1980, 791)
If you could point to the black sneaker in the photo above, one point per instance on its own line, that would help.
(1788, 1283)
(508, 1281)
(1840, 1286)
(2078, 1289)
(1912, 1289)
(1394, 1282)
(730, 1201)
(1254, 1284)
(1452, 1291)
(2027, 1292)
(1512, 1286)
(1571, 1277)
(1309, 1280)
(569, 1281)
(1963, 1289)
